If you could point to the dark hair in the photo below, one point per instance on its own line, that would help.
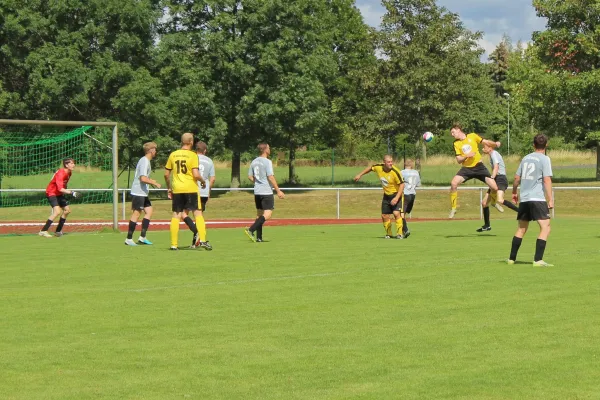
(540, 141)
(66, 161)
(201, 147)
(457, 125)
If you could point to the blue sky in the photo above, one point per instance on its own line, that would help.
(494, 18)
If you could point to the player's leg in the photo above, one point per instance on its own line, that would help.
(54, 212)
(135, 215)
(542, 216)
(398, 217)
(457, 180)
(259, 213)
(264, 212)
(485, 203)
(148, 210)
(502, 183)
(177, 207)
(200, 223)
(409, 201)
(491, 183)
(523, 216)
(64, 205)
(386, 216)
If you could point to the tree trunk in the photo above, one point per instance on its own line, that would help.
(598, 163)
(292, 165)
(235, 169)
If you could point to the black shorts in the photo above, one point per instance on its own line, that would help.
(479, 171)
(57, 201)
(386, 205)
(140, 202)
(203, 201)
(533, 211)
(264, 201)
(409, 201)
(184, 201)
(501, 182)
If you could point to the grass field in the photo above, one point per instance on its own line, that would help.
(316, 312)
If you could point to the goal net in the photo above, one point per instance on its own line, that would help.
(31, 154)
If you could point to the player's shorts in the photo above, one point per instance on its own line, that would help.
(479, 171)
(409, 201)
(501, 182)
(140, 202)
(184, 201)
(57, 201)
(264, 201)
(386, 205)
(203, 201)
(533, 211)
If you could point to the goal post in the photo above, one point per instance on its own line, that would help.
(114, 149)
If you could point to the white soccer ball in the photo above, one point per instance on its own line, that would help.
(428, 137)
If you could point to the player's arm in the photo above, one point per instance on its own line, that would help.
(461, 159)
(273, 183)
(516, 182)
(495, 170)
(548, 190)
(145, 179)
(198, 177)
(59, 184)
(168, 181)
(398, 196)
(493, 145)
(363, 172)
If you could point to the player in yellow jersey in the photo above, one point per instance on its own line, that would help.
(393, 195)
(466, 149)
(181, 175)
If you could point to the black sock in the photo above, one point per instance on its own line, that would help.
(47, 225)
(404, 226)
(61, 223)
(540, 247)
(516, 243)
(132, 226)
(258, 222)
(510, 205)
(259, 232)
(188, 221)
(486, 216)
(145, 226)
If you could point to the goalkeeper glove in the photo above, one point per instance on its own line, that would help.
(75, 194)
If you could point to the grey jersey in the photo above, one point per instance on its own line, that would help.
(496, 159)
(206, 167)
(143, 168)
(260, 169)
(412, 179)
(533, 169)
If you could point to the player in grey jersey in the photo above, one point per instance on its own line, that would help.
(412, 179)
(139, 195)
(496, 197)
(261, 174)
(535, 176)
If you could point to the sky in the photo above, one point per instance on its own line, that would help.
(515, 18)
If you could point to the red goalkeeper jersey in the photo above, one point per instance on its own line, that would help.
(59, 181)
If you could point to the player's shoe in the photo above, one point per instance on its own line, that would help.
(250, 235)
(195, 241)
(205, 245)
(259, 240)
(399, 237)
(143, 240)
(510, 262)
(542, 263)
(44, 234)
(130, 242)
(452, 213)
(499, 207)
(484, 229)
(58, 234)
(173, 248)
(387, 237)
(406, 234)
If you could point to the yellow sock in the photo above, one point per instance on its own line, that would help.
(494, 198)
(174, 229)
(201, 226)
(399, 226)
(387, 225)
(453, 199)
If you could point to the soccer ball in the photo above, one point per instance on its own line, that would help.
(428, 137)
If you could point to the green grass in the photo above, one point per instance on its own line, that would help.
(314, 313)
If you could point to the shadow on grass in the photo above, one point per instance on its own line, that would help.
(470, 235)
(516, 262)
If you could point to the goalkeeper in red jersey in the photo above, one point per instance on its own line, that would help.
(55, 193)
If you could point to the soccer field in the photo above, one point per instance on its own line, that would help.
(315, 312)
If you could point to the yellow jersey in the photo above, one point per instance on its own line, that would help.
(182, 162)
(390, 180)
(467, 145)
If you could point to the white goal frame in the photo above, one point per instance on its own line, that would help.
(115, 153)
